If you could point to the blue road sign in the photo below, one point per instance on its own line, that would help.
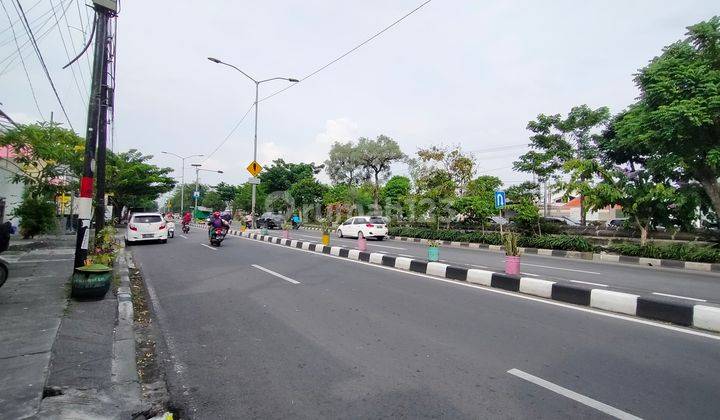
(196, 194)
(499, 199)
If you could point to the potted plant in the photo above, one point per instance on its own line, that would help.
(286, 226)
(326, 226)
(512, 253)
(433, 250)
(94, 278)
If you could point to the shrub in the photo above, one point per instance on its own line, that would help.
(683, 252)
(105, 247)
(563, 242)
(37, 215)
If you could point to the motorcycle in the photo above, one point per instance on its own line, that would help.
(186, 228)
(217, 235)
(171, 229)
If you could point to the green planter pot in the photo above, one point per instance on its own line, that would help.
(263, 231)
(433, 253)
(92, 281)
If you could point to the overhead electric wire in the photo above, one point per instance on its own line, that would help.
(313, 73)
(42, 62)
(86, 36)
(67, 54)
(27, 75)
(21, 36)
(29, 10)
(350, 51)
(83, 80)
(230, 133)
(15, 55)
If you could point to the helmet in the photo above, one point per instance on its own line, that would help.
(216, 214)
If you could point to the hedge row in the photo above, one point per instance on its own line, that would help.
(563, 242)
(682, 252)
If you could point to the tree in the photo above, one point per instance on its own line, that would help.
(395, 195)
(343, 165)
(214, 201)
(528, 190)
(376, 156)
(46, 156)
(307, 192)
(175, 198)
(243, 198)
(437, 189)
(558, 140)
(226, 191)
(460, 165)
(479, 201)
(133, 182)
(37, 215)
(281, 175)
(674, 127)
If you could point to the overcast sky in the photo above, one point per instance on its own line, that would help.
(463, 72)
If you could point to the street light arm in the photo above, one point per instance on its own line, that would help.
(289, 79)
(215, 60)
(171, 153)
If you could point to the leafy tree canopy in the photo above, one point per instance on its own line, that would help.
(131, 181)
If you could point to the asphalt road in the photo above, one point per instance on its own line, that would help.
(691, 285)
(333, 338)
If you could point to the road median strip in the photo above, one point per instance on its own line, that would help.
(668, 310)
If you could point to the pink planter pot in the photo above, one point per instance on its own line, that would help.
(362, 243)
(286, 234)
(512, 265)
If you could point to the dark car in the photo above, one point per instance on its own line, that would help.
(271, 220)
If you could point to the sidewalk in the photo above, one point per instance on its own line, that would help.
(61, 358)
(32, 302)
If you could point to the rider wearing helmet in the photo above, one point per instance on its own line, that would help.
(215, 222)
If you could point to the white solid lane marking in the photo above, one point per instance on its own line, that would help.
(563, 269)
(183, 236)
(607, 409)
(407, 255)
(209, 247)
(479, 266)
(590, 283)
(531, 274)
(635, 320)
(276, 274)
(679, 297)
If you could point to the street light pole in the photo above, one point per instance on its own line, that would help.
(257, 91)
(197, 179)
(182, 177)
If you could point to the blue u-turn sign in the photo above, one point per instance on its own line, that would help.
(499, 199)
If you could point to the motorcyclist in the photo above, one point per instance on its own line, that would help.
(187, 218)
(295, 221)
(227, 218)
(215, 221)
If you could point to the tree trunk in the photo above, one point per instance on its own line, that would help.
(643, 231)
(376, 195)
(710, 184)
(583, 220)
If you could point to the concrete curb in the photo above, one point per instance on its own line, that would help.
(124, 374)
(651, 307)
(589, 256)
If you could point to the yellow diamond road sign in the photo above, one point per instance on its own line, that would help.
(254, 168)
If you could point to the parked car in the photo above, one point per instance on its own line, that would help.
(271, 220)
(364, 226)
(146, 227)
(616, 223)
(560, 220)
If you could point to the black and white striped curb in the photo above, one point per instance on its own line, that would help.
(622, 259)
(650, 307)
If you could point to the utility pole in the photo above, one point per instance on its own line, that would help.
(86, 182)
(197, 180)
(102, 141)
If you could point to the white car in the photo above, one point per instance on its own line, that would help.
(364, 226)
(146, 227)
